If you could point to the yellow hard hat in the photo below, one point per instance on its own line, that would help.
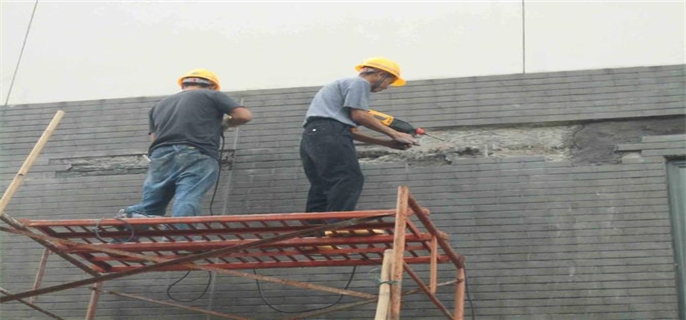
(202, 74)
(384, 64)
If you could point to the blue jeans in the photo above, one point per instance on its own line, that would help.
(177, 171)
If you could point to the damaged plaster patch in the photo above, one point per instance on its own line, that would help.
(118, 164)
(99, 166)
(553, 142)
(596, 142)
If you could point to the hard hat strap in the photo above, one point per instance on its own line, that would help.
(198, 81)
(378, 83)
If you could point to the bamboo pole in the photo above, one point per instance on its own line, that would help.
(93, 303)
(384, 286)
(399, 251)
(19, 178)
(459, 295)
(28, 163)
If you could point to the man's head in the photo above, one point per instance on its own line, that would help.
(381, 73)
(199, 78)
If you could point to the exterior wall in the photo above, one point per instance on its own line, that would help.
(553, 185)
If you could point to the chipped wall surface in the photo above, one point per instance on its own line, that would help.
(551, 142)
(552, 185)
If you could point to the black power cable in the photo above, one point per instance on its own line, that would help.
(466, 288)
(209, 273)
(271, 306)
(207, 287)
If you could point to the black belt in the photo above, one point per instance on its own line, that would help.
(315, 119)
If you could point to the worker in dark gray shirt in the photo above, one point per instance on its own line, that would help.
(327, 150)
(185, 129)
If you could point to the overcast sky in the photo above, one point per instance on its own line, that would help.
(103, 50)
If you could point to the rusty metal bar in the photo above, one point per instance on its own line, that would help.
(399, 251)
(355, 304)
(433, 265)
(206, 268)
(220, 219)
(40, 272)
(187, 259)
(427, 291)
(457, 259)
(164, 303)
(33, 306)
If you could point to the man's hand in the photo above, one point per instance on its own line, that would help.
(403, 141)
(237, 117)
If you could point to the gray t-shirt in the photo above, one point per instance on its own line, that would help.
(335, 99)
(190, 117)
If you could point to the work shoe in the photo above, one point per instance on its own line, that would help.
(128, 227)
(309, 249)
(354, 232)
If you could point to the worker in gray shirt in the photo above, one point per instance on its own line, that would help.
(327, 150)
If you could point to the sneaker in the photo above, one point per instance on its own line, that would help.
(354, 232)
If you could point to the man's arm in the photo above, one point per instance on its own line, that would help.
(366, 119)
(237, 117)
(359, 136)
(152, 137)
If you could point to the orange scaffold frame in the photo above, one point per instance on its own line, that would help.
(227, 244)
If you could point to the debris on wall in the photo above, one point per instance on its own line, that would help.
(580, 143)
(115, 165)
(552, 142)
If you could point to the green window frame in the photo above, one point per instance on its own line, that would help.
(676, 178)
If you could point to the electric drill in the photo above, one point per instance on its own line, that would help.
(396, 124)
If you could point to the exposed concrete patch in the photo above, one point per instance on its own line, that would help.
(580, 143)
(99, 166)
(553, 142)
(596, 142)
(115, 165)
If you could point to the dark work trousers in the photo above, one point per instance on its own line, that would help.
(330, 162)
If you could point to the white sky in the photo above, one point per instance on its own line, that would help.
(104, 50)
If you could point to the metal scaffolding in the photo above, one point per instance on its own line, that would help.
(108, 249)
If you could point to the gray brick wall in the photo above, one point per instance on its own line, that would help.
(543, 239)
